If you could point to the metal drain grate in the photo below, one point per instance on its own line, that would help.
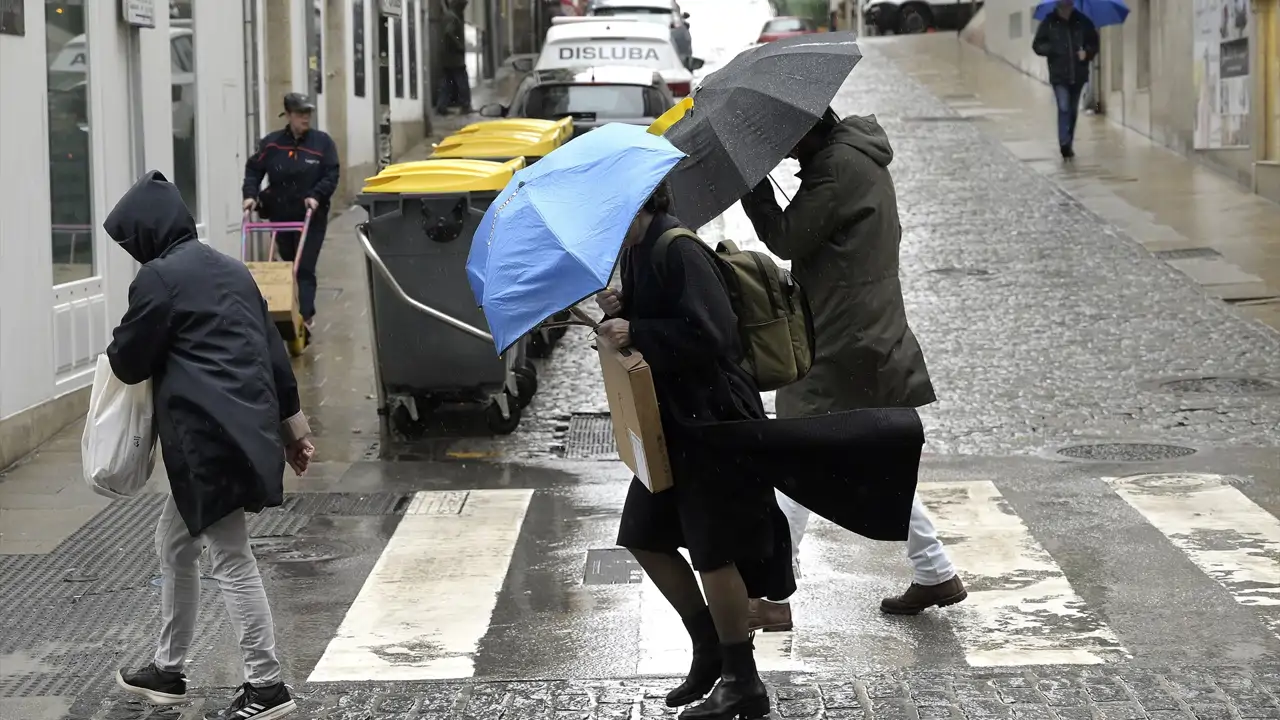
(940, 118)
(1222, 385)
(1187, 253)
(611, 566)
(348, 504)
(590, 437)
(961, 272)
(1125, 452)
(74, 633)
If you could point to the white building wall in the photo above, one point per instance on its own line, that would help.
(50, 335)
(1009, 30)
(359, 129)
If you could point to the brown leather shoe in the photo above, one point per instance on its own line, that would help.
(767, 616)
(918, 598)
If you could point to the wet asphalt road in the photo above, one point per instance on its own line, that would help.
(475, 578)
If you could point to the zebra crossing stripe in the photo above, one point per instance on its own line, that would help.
(1021, 609)
(428, 601)
(1221, 531)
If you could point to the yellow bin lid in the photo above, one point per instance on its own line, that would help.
(496, 145)
(562, 127)
(444, 176)
(670, 117)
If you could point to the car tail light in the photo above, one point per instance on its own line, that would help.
(679, 89)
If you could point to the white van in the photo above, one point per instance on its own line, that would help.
(577, 42)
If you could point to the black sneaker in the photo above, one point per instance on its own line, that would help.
(252, 703)
(154, 685)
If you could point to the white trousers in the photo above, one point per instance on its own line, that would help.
(236, 570)
(929, 562)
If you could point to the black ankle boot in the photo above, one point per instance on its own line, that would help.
(705, 669)
(741, 694)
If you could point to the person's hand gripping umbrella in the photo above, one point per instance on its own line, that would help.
(553, 236)
(748, 115)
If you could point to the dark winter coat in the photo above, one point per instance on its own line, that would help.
(858, 469)
(197, 326)
(841, 234)
(1059, 39)
(453, 48)
(297, 168)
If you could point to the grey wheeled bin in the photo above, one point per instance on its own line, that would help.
(431, 344)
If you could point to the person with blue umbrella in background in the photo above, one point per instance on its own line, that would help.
(552, 239)
(1068, 40)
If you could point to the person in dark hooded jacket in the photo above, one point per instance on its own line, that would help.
(841, 233)
(1068, 41)
(227, 415)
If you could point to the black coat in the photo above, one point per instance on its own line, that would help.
(297, 168)
(197, 327)
(1059, 39)
(856, 468)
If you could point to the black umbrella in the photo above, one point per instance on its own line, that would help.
(748, 115)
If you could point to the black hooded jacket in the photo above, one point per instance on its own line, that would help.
(197, 327)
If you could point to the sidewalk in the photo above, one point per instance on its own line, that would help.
(1204, 224)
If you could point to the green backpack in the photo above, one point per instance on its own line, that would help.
(774, 319)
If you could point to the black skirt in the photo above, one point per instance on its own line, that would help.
(719, 517)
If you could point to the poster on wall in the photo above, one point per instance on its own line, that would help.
(12, 17)
(1222, 74)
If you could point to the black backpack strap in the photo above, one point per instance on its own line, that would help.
(662, 247)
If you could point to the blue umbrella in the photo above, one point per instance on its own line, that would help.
(1101, 12)
(552, 237)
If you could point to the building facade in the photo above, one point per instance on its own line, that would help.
(1201, 77)
(90, 101)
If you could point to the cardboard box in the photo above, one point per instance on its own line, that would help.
(633, 406)
(275, 282)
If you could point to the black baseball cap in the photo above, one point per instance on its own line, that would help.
(297, 103)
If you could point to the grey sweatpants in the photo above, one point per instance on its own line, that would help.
(236, 571)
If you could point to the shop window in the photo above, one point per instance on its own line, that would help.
(397, 29)
(412, 10)
(70, 138)
(182, 54)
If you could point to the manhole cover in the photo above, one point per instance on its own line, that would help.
(961, 272)
(590, 436)
(293, 550)
(1125, 452)
(1222, 385)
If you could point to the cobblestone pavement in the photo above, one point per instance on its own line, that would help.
(1042, 324)
(1042, 694)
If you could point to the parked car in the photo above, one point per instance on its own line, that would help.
(785, 27)
(577, 42)
(660, 12)
(592, 96)
(905, 17)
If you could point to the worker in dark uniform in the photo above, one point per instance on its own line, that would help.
(300, 165)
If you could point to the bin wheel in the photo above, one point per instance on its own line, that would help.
(540, 346)
(297, 344)
(557, 333)
(499, 425)
(526, 384)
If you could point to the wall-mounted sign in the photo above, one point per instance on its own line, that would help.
(392, 8)
(13, 17)
(138, 13)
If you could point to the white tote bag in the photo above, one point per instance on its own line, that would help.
(117, 450)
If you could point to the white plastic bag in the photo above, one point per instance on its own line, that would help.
(117, 450)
